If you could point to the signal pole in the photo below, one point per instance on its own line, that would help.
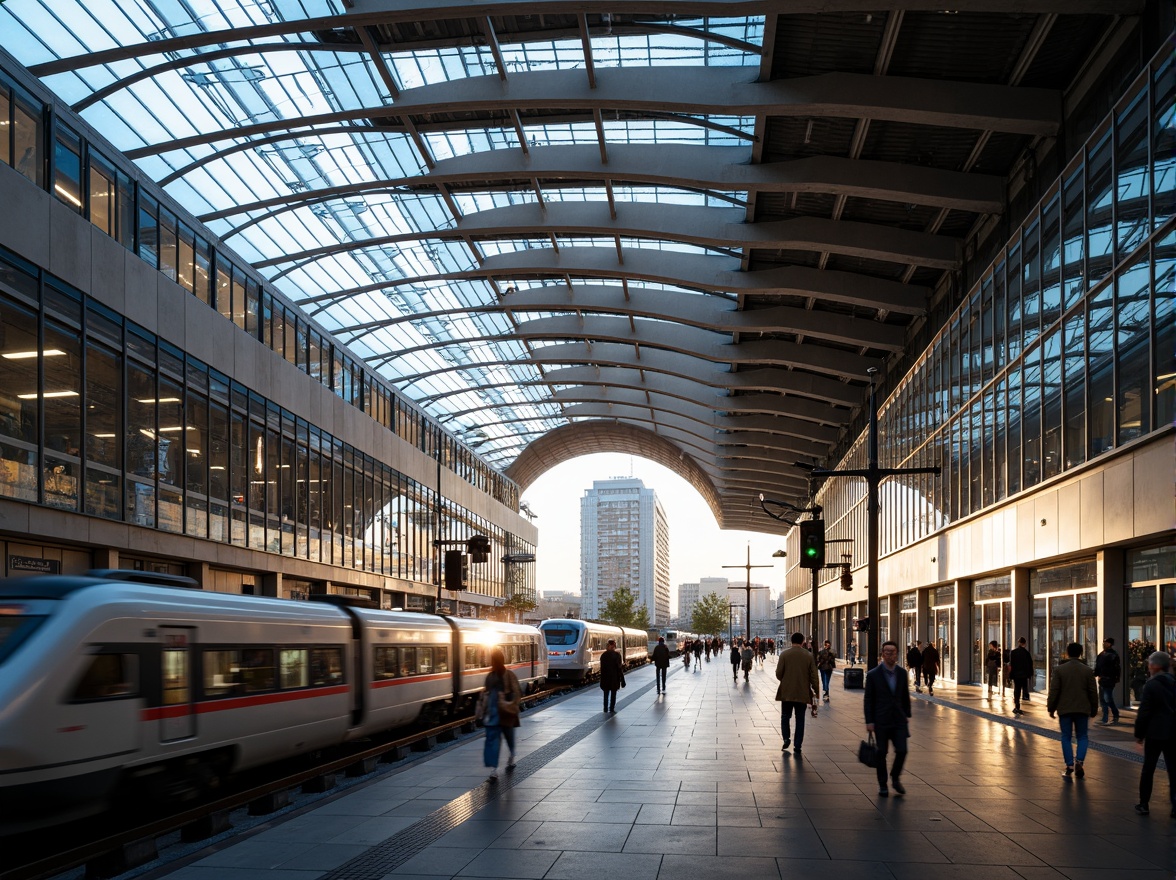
(748, 566)
(873, 476)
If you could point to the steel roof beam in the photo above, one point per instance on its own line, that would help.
(724, 169)
(690, 271)
(718, 227)
(375, 12)
(698, 91)
(767, 379)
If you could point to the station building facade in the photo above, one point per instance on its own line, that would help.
(1047, 398)
(162, 407)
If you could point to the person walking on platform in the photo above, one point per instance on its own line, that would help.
(1155, 728)
(746, 658)
(914, 661)
(697, 655)
(796, 670)
(887, 704)
(930, 663)
(1020, 671)
(612, 675)
(735, 661)
(661, 664)
(992, 666)
(826, 663)
(1108, 670)
(1073, 696)
(498, 709)
(851, 654)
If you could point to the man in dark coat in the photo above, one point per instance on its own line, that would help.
(612, 675)
(887, 706)
(930, 667)
(1108, 670)
(661, 663)
(914, 661)
(1020, 671)
(1155, 727)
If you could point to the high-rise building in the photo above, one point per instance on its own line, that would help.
(687, 599)
(763, 608)
(624, 542)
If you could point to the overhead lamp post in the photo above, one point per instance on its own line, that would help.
(731, 622)
(747, 566)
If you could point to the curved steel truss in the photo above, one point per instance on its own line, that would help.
(677, 230)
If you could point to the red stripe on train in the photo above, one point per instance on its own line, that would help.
(160, 712)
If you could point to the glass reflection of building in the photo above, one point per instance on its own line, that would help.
(1059, 361)
(102, 417)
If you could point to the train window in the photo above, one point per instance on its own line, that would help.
(257, 670)
(386, 664)
(15, 626)
(294, 668)
(560, 636)
(326, 666)
(408, 661)
(476, 658)
(440, 659)
(221, 671)
(175, 677)
(108, 676)
(425, 661)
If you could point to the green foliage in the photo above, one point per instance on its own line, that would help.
(622, 610)
(710, 614)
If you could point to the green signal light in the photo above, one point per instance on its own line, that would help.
(811, 551)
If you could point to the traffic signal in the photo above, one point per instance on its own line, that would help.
(862, 625)
(455, 570)
(479, 548)
(812, 543)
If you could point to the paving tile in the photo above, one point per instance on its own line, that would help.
(561, 835)
(890, 846)
(437, 861)
(325, 856)
(677, 840)
(581, 865)
(799, 843)
(519, 865)
(719, 868)
(1081, 851)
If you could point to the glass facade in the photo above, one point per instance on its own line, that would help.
(1151, 612)
(133, 214)
(100, 416)
(1064, 349)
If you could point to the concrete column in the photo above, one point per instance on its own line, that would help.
(1022, 605)
(270, 584)
(1111, 566)
(105, 557)
(962, 649)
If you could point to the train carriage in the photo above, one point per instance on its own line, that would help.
(574, 647)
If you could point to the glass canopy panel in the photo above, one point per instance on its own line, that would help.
(404, 294)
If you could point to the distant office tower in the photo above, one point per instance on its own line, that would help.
(624, 542)
(763, 608)
(689, 594)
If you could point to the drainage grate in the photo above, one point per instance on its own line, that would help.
(394, 852)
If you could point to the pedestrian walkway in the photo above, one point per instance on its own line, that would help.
(695, 783)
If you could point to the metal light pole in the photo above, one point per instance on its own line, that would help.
(731, 622)
(748, 567)
(873, 476)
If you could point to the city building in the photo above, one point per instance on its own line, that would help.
(558, 603)
(624, 542)
(689, 594)
(763, 607)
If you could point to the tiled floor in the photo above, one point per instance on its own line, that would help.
(694, 783)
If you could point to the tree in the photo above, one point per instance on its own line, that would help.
(518, 605)
(710, 614)
(622, 610)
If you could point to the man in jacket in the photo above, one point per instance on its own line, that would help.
(930, 667)
(1073, 696)
(1155, 727)
(887, 706)
(747, 657)
(1108, 670)
(1020, 671)
(661, 663)
(612, 675)
(914, 662)
(826, 663)
(797, 673)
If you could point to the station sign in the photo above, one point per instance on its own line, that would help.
(34, 565)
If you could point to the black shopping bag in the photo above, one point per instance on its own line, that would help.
(868, 752)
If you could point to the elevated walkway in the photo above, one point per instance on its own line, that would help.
(694, 783)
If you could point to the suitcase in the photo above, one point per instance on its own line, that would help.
(854, 679)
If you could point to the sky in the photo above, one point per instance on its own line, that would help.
(698, 548)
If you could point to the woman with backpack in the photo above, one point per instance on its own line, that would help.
(498, 710)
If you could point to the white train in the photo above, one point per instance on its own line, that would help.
(574, 647)
(110, 685)
(674, 639)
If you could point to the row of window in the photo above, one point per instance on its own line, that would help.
(405, 661)
(100, 416)
(227, 672)
(1065, 348)
(94, 186)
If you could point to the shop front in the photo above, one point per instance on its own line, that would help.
(992, 621)
(1151, 612)
(1064, 610)
(941, 623)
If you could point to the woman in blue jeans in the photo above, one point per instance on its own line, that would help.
(498, 712)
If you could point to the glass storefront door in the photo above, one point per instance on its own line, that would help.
(991, 622)
(1151, 626)
(943, 637)
(1065, 610)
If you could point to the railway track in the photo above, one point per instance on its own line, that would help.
(114, 853)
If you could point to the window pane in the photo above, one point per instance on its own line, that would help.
(103, 449)
(63, 416)
(28, 137)
(142, 452)
(1099, 200)
(1074, 240)
(67, 168)
(185, 265)
(1164, 142)
(1075, 389)
(1051, 430)
(1165, 330)
(257, 670)
(1031, 417)
(326, 666)
(1133, 317)
(196, 465)
(1099, 371)
(108, 676)
(295, 672)
(102, 194)
(19, 361)
(5, 122)
(1131, 168)
(148, 230)
(168, 257)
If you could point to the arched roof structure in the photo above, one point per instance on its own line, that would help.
(684, 229)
